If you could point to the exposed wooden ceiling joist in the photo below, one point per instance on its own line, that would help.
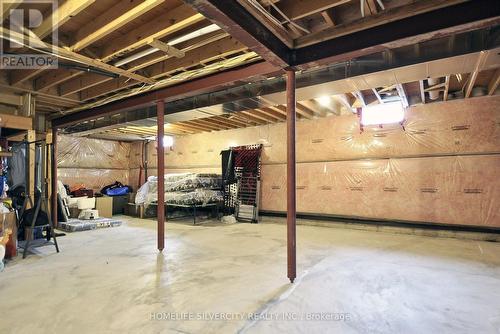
(203, 53)
(495, 81)
(296, 9)
(473, 76)
(102, 26)
(373, 20)
(61, 15)
(446, 87)
(8, 6)
(167, 23)
(67, 54)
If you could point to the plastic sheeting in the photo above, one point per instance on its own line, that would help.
(78, 152)
(183, 188)
(92, 162)
(94, 179)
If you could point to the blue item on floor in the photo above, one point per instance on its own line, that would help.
(118, 191)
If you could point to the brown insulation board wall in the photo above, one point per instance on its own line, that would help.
(92, 162)
(444, 162)
(448, 190)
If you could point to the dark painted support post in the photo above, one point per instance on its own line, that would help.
(160, 114)
(290, 174)
(53, 183)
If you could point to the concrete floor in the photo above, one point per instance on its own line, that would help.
(114, 281)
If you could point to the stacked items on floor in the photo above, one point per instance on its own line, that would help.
(83, 207)
(183, 189)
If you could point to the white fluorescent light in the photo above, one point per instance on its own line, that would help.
(384, 113)
(194, 34)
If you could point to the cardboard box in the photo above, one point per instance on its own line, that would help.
(104, 206)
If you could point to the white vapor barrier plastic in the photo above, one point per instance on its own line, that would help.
(92, 162)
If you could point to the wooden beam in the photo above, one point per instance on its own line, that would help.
(233, 121)
(264, 115)
(108, 84)
(204, 125)
(250, 117)
(344, 100)
(438, 87)
(254, 115)
(61, 15)
(7, 7)
(316, 107)
(242, 25)
(446, 87)
(305, 109)
(359, 95)
(495, 81)
(165, 24)
(17, 77)
(215, 50)
(65, 54)
(222, 48)
(217, 122)
(473, 76)
(299, 112)
(422, 91)
(372, 6)
(167, 49)
(327, 16)
(379, 98)
(53, 78)
(16, 122)
(296, 9)
(185, 47)
(95, 31)
(183, 128)
(275, 27)
(188, 125)
(402, 95)
(196, 86)
(281, 111)
(15, 100)
(273, 113)
(384, 17)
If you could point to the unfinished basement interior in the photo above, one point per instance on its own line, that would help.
(250, 166)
